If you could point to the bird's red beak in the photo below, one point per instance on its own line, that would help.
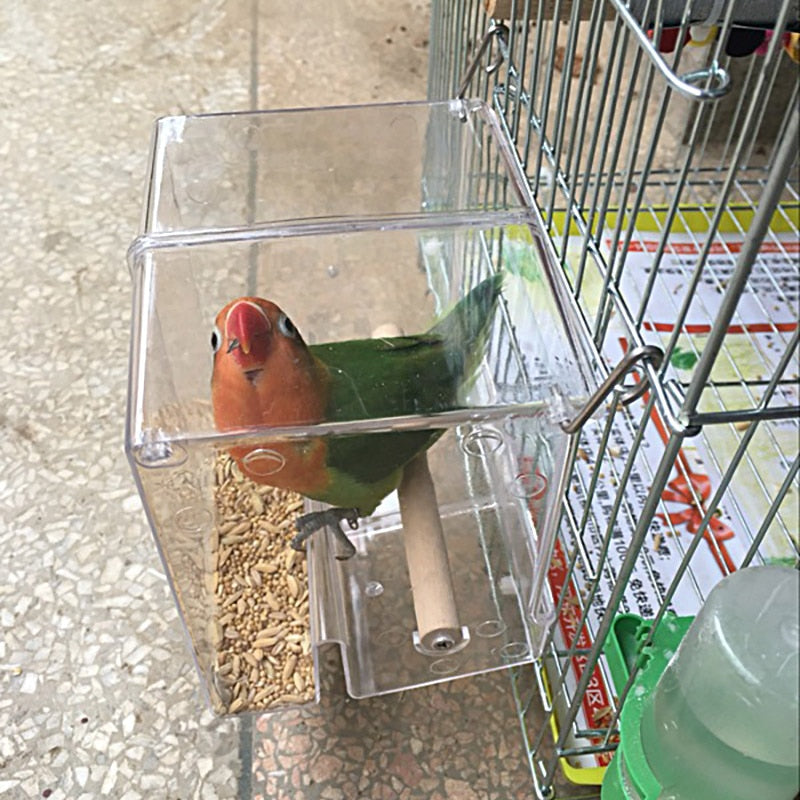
(247, 330)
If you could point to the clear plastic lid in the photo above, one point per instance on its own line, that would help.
(737, 667)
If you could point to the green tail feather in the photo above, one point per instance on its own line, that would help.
(469, 317)
(465, 327)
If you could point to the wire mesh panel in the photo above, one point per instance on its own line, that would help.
(660, 142)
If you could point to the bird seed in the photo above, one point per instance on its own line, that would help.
(259, 586)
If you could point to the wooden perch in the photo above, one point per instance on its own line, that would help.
(428, 567)
(431, 583)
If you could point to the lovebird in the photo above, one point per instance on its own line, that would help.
(264, 374)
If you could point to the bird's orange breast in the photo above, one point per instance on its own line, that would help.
(298, 465)
(288, 393)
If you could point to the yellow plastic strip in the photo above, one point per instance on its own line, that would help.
(582, 776)
(693, 219)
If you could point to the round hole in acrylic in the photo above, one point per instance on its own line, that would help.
(444, 666)
(263, 461)
(392, 637)
(482, 441)
(490, 628)
(513, 651)
(528, 486)
(191, 518)
(201, 192)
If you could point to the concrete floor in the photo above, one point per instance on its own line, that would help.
(99, 697)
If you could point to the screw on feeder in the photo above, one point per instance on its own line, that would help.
(443, 641)
(155, 452)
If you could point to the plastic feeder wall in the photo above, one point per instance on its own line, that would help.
(350, 218)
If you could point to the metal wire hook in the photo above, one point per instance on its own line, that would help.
(648, 352)
(501, 31)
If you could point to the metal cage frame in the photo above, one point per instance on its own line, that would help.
(639, 146)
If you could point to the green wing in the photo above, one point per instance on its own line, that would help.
(422, 374)
(398, 376)
(371, 379)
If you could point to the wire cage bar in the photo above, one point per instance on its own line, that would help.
(660, 141)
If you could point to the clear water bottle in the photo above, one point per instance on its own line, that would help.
(723, 719)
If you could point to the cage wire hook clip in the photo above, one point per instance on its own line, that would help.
(649, 353)
(499, 30)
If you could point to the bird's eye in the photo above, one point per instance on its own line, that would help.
(216, 339)
(286, 327)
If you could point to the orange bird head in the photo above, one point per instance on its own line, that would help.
(263, 372)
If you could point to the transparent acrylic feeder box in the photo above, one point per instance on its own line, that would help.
(351, 218)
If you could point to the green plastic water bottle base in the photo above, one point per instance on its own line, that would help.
(629, 776)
